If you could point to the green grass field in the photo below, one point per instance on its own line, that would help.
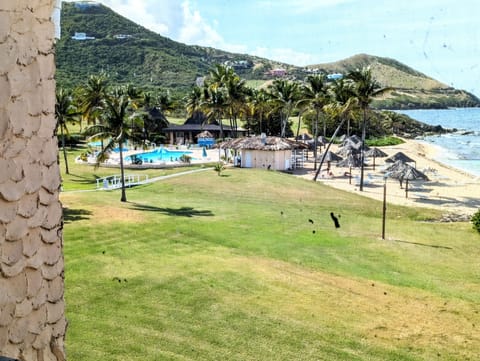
(202, 267)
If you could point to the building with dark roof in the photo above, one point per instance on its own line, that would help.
(187, 132)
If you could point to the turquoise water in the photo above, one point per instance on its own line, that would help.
(460, 149)
(159, 155)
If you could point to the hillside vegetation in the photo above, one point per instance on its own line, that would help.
(130, 53)
(412, 89)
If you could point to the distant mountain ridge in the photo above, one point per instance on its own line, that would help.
(95, 39)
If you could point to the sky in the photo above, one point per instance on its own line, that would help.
(440, 38)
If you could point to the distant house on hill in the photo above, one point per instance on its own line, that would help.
(334, 76)
(85, 4)
(82, 36)
(278, 72)
(187, 132)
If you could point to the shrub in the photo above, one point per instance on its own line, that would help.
(186, 158)
(476, 220)
(219, 167)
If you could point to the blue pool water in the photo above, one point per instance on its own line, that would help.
(158, 155)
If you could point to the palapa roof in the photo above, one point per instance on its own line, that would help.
(399, 156)
(330, 157)
(375, 152)
(402, 170)
(259, 143)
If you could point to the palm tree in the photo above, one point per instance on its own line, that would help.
(193, 100)
(117, 111)
(341, 111)
(65, 112)
(236, 92)
(315, 96)
(284, 94)
(214, 103)
(342, 91)
(365, 88)
(258, 106)
(91, 97)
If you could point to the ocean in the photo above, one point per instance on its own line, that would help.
(461, 149)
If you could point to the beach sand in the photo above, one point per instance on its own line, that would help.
(450, 190)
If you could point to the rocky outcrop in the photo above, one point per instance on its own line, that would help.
(32, 319)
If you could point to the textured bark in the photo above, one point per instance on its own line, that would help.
(32, 308)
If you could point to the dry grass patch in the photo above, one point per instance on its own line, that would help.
(382, 314)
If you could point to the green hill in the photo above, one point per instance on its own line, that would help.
(130, 53)
(412, 88)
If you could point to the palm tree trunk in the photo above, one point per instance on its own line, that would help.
(327, 148)
(298, 126)
(315, 142)
(122, 172)
(64, 150)
(362, 152)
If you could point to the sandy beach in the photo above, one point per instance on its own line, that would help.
(448, 189)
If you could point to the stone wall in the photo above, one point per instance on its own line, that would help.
(32, 320)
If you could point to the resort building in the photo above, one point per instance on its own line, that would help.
(187, 132)
(82, 36)
(272, 153)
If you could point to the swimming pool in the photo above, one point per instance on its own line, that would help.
(158, 155)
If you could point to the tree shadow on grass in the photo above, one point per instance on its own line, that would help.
(72, 215)
(180, 212)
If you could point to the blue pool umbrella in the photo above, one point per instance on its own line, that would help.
(204, 152)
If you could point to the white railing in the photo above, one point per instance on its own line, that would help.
(115, 181)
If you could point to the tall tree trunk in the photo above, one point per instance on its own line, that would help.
(122, 173)
(315, 141)
(64, 150)
(362, 152)
(298, 126)
(327, 148)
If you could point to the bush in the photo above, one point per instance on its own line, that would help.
(219, 167)
(476, 221)
(186, 158)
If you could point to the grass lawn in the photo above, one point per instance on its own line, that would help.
(248, 266)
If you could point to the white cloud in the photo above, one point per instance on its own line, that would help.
(195, 30)
(285, 55)
(182, 22)
(142, 12)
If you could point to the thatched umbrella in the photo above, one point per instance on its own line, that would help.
(204, 134)
(322, 140)
(403, 171)
(400, 156)
(353, 139)
(375, 152)
(351, 161)
(330, 157)
(304, 137)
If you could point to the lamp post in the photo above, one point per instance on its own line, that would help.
(384, 213)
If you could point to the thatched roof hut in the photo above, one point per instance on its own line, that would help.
(264, 152)
(262, 143)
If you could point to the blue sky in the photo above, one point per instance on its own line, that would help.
(440, 38)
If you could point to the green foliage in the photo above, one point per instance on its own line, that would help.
(219, 168)
(476, 221)
(185, 158)
(384, 141)
(149, 60)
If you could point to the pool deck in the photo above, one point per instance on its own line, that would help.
(213, 155)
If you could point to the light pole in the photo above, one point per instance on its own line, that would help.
(384, 213)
